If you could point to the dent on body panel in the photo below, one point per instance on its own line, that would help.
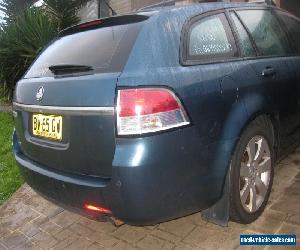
(242, 100)
(244, 96)
(209, 92)
(218, 85)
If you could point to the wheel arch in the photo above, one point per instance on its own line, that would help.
(244, 111)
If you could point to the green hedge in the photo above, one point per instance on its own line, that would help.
(20, 43)
(27, 32)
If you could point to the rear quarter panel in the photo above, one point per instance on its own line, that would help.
(220, 99)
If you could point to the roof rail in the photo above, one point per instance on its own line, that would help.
(172, 2)
(268, 2)
(160, 4)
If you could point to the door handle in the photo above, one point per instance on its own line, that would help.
(268, 72)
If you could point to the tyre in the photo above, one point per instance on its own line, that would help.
(252, 171)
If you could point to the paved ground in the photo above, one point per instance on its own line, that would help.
(27, 221)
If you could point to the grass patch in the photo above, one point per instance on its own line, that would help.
(10, 178)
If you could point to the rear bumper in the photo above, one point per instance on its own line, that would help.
(70, 191)
(154, 179)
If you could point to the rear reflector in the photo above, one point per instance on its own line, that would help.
(146, 110)
(97, 209)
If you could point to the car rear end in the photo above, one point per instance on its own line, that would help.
(64, 111)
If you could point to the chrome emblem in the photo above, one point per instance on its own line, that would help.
(40, 93)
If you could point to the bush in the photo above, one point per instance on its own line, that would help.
(26, 31)
(63, 12)
(20, 42)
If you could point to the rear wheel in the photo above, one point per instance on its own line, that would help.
(252, 171)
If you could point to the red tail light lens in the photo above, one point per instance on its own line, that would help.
(145, 110)
(96, 209)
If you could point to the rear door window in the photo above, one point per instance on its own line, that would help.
(210, 38)
(266, 31)
(104, 49)
(246, 46)
(293, 27)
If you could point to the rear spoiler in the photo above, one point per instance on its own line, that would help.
(105, 22)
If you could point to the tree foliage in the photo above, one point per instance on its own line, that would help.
(26, 31)
(64, 12)
(12, 8)
(20, 43)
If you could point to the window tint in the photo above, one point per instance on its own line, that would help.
(105, 49)
(247, 49)
(209, 37)
(266, 31)
(293, 27)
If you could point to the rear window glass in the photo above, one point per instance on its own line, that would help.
(209, 38)
(104, 49)
(246, 47)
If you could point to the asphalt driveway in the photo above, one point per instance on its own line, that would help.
(27, 221)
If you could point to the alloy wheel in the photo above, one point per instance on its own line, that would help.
(255, 173)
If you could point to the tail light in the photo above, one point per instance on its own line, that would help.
(145, 110)
(96, 209)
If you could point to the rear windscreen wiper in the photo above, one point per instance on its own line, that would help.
(69, 68)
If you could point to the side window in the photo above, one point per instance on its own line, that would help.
(210, 38)
(266, 31)
(247, 49)
(293, 27)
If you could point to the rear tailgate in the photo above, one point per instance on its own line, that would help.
(83, 100)
(87, 145)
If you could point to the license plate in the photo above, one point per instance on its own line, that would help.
(47, 126)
